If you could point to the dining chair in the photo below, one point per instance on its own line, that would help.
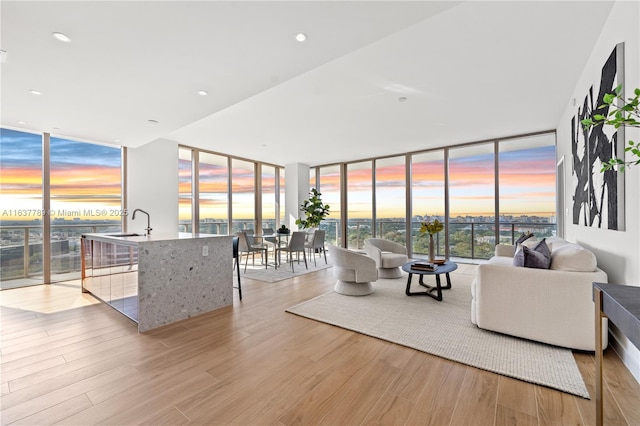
(246, 247)
(269, 236)
(296, 245)
(316, 245)
(251, 236)
(236, 264)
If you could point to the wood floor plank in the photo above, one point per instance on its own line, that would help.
(515, 395)
(557, 408)
(253, 363)
(57, 412)
(19, 373)
(625, 390)
(391, 410)
(510, 416)
(476, 403)
(587, 407)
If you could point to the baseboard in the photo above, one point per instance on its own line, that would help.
(627, 352)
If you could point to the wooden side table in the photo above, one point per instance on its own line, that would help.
(621, 304)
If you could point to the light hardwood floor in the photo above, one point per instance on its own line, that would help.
(69, 360)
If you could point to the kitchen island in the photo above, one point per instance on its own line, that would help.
(159, 279)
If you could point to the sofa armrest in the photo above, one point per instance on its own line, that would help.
(506, 250)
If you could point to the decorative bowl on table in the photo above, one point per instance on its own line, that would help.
(283, 230)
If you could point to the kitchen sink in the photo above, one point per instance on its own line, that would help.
(124, 235)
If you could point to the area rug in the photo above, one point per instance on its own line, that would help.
(272, 275)
(445, 329)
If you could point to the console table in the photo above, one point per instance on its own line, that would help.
(621, 304)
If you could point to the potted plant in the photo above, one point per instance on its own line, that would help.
(431, 228)
(621, 113)
(314, 211)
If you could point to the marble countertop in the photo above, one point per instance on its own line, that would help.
(134, 240)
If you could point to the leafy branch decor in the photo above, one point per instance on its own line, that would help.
(627, 115)
(314, 210)
(431, 228)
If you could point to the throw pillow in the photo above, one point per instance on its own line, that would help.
(537, 257)
(524, 236)
(543, 247)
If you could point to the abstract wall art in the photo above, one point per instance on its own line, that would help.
(598, 199)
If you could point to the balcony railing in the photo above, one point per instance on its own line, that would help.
(471, 240)
(21, 246)
(21, 249)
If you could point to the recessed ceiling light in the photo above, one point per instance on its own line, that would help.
(21, 122)
(203, 92)
(61, 37)
(153, 121)
(402, 99)
(56, 128)
(35, 92)
(301, 37)
(116, 140)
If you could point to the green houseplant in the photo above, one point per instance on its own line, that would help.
(314, 210)
(431, 228)
(627, 115)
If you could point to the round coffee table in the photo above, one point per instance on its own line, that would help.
(445, 268)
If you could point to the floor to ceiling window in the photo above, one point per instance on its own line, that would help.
(185, 190)
(282, 199)
(213, 193)
(86, 196)
(472, 201)
(21, 231)
(243, 191)
(456, 185)
(268, 195)
(359, 203)
(428, 197)
(527, 184)
(390, 205)
(223, 193)
(83, 188)
(329, 187)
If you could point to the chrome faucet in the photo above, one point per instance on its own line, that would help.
(148, 228)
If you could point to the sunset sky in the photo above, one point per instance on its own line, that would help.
(79, 171)
(84, 177)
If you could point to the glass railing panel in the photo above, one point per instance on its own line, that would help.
(357, 232)
(392, 230)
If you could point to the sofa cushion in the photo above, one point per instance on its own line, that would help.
(556, 242)
(572, 257)
(501, 260)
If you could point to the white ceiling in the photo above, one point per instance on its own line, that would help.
(469, 70)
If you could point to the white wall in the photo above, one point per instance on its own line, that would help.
(152, 185)
(618, 252)
(296, 191)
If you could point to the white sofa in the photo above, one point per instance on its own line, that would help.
(552, 305)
